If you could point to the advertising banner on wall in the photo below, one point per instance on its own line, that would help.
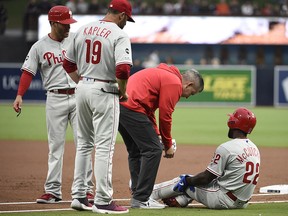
(281, 86)
(10, 74)
(225, 85)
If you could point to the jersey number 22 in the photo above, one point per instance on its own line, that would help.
(251, 170)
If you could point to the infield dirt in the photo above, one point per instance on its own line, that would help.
(23, 166)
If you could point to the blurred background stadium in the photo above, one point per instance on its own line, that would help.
(19, 26)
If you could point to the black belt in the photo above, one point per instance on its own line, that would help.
(99, 80)
(233, 197)
(63, 91)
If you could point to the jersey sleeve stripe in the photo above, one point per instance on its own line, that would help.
(70, 60)
(213, 172)
(124, 62)
(28, 70)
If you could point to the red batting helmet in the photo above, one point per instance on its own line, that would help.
(61, 14)
(242, 119)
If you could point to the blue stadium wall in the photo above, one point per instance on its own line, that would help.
(15, 50)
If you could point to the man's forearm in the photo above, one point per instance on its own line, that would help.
(74, 76)
(199, 179)
(122, 83)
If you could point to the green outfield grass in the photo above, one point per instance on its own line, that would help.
(193, 125)
(275, 209)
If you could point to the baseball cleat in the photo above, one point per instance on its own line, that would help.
(81, 204)
(48, 199)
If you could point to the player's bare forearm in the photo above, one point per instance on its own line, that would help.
(122, 83)
(202, 178)
(74, 76)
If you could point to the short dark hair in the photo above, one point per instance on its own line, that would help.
(194, 75)
(112, 11)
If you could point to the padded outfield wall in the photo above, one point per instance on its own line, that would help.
(224, 86)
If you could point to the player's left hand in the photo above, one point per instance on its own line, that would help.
(182, 185)
(17, 104)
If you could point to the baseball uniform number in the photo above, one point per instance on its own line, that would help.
(216, 158)
(250, 167)
(95, 52)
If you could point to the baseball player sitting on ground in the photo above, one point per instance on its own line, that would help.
(230, 178)
(46, 55)
(149, 89)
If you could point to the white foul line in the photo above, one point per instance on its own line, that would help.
(63, 201)
(70, 209)
(38, 210)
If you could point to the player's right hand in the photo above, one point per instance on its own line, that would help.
(123, 97)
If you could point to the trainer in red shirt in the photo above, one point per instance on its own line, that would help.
(149, 89)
